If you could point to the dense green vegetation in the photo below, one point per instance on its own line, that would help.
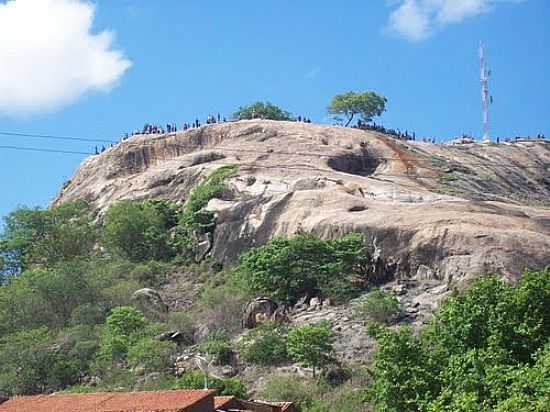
(68, 320)
(289, 268)
(261, 110)
(67, 283)
(311, 345)
(140, 231)
(486, 350)
(265, 345)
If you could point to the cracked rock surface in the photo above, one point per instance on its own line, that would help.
(433, 213)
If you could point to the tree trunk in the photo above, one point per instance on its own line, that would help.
(349, 120)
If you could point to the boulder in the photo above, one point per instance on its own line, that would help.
(151, 303)
(3, 398)
(175, 336)
(258, 311)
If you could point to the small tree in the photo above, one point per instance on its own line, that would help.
(265, 345)
(366, 104)
(261, 110)
(311, 345)
(123, 328)
(139, 231)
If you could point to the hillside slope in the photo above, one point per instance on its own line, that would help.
(430, 211)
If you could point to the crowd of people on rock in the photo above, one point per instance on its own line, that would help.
(303, 119)
(362, 125)
(392, 132)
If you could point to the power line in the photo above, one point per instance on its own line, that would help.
(47, 136)
(46, 150)
(268, 152)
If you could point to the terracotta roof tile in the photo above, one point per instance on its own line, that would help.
(159, 401)
(220, 401)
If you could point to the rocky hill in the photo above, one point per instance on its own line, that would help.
(438, 212)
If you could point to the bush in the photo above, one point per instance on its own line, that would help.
(123, 328)
(377, 306)
(151, 355)
(226, 387)
(46, 237)
(221, 305)
(265, 345)
(311, 345)
(44, 297)
(287, 269)
(486, 349)
(261, 110)
(140, 231)
(182, 322)
(194, 219)
(298, 390)
(218, 347)
(32, 365)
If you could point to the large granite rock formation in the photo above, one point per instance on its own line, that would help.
(430, 211)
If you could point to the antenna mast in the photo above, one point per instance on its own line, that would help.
(485, 98)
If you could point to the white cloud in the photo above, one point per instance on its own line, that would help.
(49, 57)
(418, 19)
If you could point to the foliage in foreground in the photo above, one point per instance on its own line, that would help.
(226, 387)
(486, 350)
(317, 395)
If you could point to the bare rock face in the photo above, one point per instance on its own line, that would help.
(431, 212)
(259, 311)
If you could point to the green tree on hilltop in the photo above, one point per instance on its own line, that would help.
(261, 110)
(366, 104)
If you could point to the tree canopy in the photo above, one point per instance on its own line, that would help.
(366, 105)
(262, 110)
(34, 237)
(487, 349)
(288, 269)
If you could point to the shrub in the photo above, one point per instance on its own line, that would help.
(46, 237)
(31, 364)
(301, 391)
(221, 305)
(311, 345)
(217, 345)
(287, 269)
(377, 306)
(182, 322)
(151, 355)
(140, 231)
(226, 387)
(44, 297)
(265, 345)
(123, 328)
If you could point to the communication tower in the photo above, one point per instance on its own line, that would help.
(486, 99)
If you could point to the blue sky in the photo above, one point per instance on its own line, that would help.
(100, 70)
